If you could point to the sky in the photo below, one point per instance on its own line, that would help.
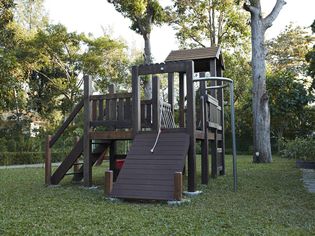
(98, 16)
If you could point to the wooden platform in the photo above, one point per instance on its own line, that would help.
(147, 175)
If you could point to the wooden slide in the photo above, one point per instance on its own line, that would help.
(147, 175)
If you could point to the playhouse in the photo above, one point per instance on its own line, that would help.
(162, 146)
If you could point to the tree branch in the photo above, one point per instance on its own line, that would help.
(251, 9)
(268, 20)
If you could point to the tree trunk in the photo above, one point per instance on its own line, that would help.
(261, 114)
(147, 60)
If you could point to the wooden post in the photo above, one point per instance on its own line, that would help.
(191, 126)
(76, 168)
(108, 182)
(111, 89)
(204, 142)
(178, 186)
(214, 157)
(156, 102)
(170, 81)
(87, 167)
(213, 72)
(48, 161)
(221, 104)
(136, 109)
(181, 101)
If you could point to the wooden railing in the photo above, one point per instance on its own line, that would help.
(70, 118)
(113, 110)
(213, 112)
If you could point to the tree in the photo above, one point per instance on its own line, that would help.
(261, 113)
(209, 23)
(30, 14)
(288, 105)
(310, 57)
(143, 15)
(287, 51)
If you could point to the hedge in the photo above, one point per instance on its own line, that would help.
(20, 158)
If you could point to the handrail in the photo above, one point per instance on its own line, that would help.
(70, 118)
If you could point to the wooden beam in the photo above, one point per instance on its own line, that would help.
(161, 68)
(108, 182)
(87, 168)
(170, 82)
(214, 158)
(213, 72)
(112, 135)
(70, 118)
(181, 100)
(136, 109)
(191, 126)
(48, 161)
(178, 186)
(156, 102)
(221, 104)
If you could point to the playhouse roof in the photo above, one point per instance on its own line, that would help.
(198, 55)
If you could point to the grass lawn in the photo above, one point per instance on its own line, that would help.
(271, 201)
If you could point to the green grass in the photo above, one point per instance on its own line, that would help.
(271, 201)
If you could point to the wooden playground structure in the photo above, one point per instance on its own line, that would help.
(162, 146)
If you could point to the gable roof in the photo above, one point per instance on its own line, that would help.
(194, 54)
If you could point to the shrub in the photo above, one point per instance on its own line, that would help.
(21, 158)
(299, 148)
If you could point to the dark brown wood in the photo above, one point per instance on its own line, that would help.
(108, 182)
(47, 161)
(121, 107)
(147, 175)
(221, 119)
(112, 123)
(67, 163)
(76, 166)
(70, 118)
(171, 95)
(214, 158)
(191, 126)
(181, 100)
(156, 102)
(111, 135)
(178, 186)
(100, 109)
(86, 140)
(161, 68)
(94, 110)
(213, 72)
(136, 109)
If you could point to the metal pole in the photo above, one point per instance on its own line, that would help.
(233, 136)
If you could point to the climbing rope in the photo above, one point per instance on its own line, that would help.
(166, 116)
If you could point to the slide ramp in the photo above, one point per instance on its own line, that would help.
(147, 175)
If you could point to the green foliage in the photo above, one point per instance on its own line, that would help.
(288, 50)
(310, 58)
(23, 158)
(204, 23)
(142, 13)
(288, 101)
(299, 148)
(271, 200)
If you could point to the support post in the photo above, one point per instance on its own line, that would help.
(76, 167)
(112, 159)
(156, 102)
(204, 142)
(214, 157)
(108, 182)
(178, 186)
(191, 126)
(48, 161)
(221, 104)
(170, 81)
(213, 72)
(87, 167)
(136, 109)
(181, 100)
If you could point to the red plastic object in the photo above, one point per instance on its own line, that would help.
(120, 163)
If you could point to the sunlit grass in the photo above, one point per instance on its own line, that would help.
(271, 200)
